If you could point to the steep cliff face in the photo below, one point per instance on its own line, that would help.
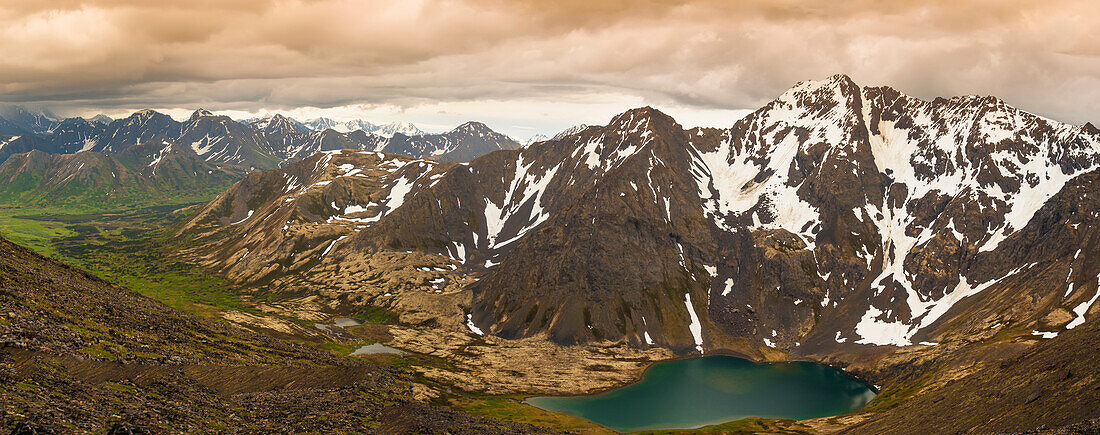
(834, 216)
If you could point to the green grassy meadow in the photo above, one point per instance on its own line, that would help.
(124, 247)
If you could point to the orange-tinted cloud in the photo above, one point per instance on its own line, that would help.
(248, 54)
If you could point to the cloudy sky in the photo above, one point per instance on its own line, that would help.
(525, 67)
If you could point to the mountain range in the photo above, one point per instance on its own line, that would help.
(265, 143)
(127, 156)
(853, 225)
(17, 120)
(385, 130)
(834, 216)
(153, 173)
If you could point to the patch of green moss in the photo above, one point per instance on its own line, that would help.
(122, 388)
(23, 386)
(893, 396)
(744, 426)
(340, 349)
(377, 315)
(511, 408)
(97, 351)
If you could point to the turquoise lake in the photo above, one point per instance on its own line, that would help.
(691, 393)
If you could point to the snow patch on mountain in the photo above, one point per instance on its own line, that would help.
(695, 327)
(470, 324)
(1083, 308)
(7, 141)
(526, 187)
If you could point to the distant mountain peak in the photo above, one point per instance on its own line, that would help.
(1090, 129)
(833, 81)
(988, 101)
(76, 120)
(322, 123)
(472, 127)
(14, 111)
(278, 123)
(535, 139)
(144, 115)
(405, 128)
(473, 124)
(570, 131)
(644, 112)
(841, 78)
(641, 120)
(809, 91)
(101, 119)
(19, 120)
(201, 113)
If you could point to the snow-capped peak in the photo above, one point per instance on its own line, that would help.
(277, 123)
(472, 127)
(570, 131)
(534, 139)
(405, 128)
(145, 113)
(201, 113)
(101, 119)
(320, 124)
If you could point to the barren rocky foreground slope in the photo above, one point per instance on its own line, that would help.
(78, 355)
